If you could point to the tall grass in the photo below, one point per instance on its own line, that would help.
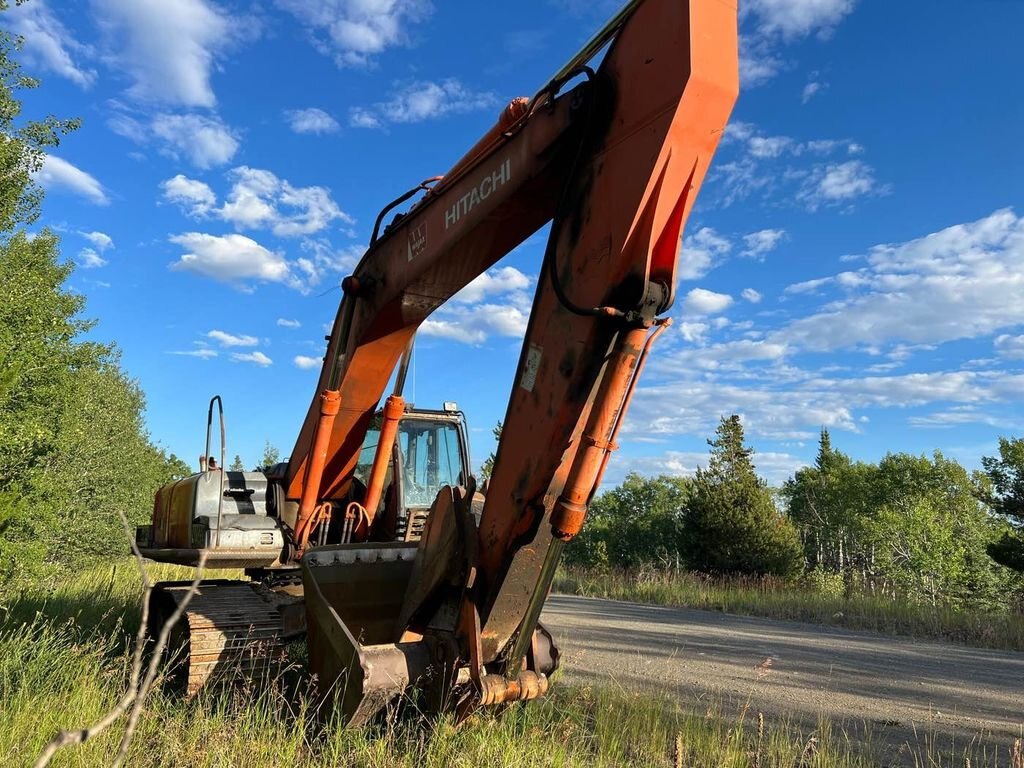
(64, 659)
(776, 599)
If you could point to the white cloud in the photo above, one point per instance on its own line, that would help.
(239, 260)
(167, 49)
(767, 25)
(352, 31)
(48, 44)
(775, 467)
(837, 183)
(701, 252)
(961, 282)
(193, 196)
(359, 117)
(307, 363)
(763, 241)
(470, 318)
(256, 357)
(453, 330)
(205, 141)
(475, 324)
(88, 258)
(1010, 346)
(311, 120)
(768, 146)
(100, 240)
(57, 173)
(259, 199)
(230, 340)
(810, 91)
(322, 258)
(230, 259)
(798, 18)
(493, 282)
(202, 353)
(759, 60)
(286, 323)
(749, 294)
(700, 301)
(693, 332)
(814, 171)
(419, 101)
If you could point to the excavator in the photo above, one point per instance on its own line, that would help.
(373, 539)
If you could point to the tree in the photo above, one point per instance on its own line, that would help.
(733, 525)
(829, 502)
(1005, 495)
(641, 522)
(73, 447)
(271, 456)
(929, 533)
(237, 465)
(488, 466)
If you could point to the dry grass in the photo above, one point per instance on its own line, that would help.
(774, 599)
(65, 658)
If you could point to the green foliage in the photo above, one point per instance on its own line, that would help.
(271, 456)
(641, 522)
(22, 151)
(237, 465)
(734, 524)
(1005, 494)
(910, 526)
(73, 448)
(828, 503)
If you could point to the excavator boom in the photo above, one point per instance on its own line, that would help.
(613, 158)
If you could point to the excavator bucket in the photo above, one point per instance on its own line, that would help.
(353, 594)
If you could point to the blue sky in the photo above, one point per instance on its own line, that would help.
(854, 260)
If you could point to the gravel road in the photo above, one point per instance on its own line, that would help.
(896, 688)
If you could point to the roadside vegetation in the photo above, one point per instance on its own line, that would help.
(797, 601)
(65, 659)
(912, 545)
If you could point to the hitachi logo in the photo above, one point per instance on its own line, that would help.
(481, 191)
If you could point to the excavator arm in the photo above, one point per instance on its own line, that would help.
(613, 158)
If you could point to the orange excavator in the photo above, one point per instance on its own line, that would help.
(373, 538)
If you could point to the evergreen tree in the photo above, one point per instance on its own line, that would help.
(237, 465)
(733, 525)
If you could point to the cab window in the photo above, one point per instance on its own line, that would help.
(431, 459)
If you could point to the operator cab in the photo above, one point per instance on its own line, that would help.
(431, 451)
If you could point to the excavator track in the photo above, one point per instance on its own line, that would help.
(232, 631)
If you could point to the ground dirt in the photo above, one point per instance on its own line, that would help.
(895, 690)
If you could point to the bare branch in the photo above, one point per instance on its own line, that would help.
(154, 661)
(135, 694)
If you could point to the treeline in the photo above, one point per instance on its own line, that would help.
(912, 527)
(74, 451)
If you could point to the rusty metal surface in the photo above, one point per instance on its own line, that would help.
(216, 558)
(354, 671)
(233, 631)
